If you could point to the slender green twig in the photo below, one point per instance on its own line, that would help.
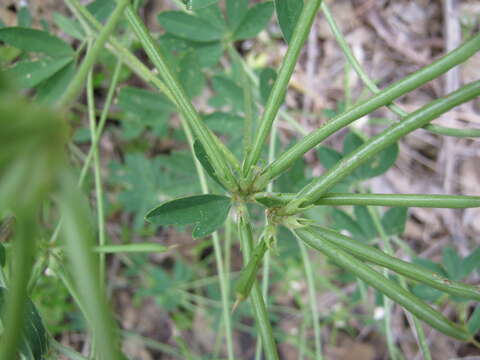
(84, 267)
(412, 271)
(352, 60)
(280, 86)
(266, 258)
(98, 178)
(313, 191)
(312, 299)
(269, 199)
(23, 255)
(210, 142)
(315, 239)
(258, 304)
(392, 349)
(75, 86)
(413, 81)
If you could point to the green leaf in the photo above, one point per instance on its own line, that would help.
(3, 256)
(225, 123)
(267, 79)
(471, 262)
(191, 76)
(328, 157)
(189, 27)
(288, 12)
(144, 108)
(35, 340)
(131, 248)
(236, 11)
(200, 4)
(206, 212)
(143, 102)
(145, 182)
(452, 263)
(27, 74)
(69, 26)
(426, 292)
(50, 90)
(376, 166)
(343, 221)
(255, 20)
(35, 41)
(473, 324)
(202, 157)
(229, 91)
(101, 9)
(294, 179)
(365, 221)
(394, 220)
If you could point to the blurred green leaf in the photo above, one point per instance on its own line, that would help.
(236, 11)
(343, 221)
(228, 90)
(101, 9)
(144, 108)
(394, 220)
(199, 4)
(365, 221)
(452, 263)
(470, 263)
(191, 76)
(189, 27)
(267, 79)
(224, 123)
(473, 324)
(426, 293)
(288, 12)
(145, 182)
(206, 212)
(38, 41)
(3, 256)
(35, 342)
(27, 74)
(69, 26)
(202, 157)
(50, 90)
(376, 166)
(255, 20)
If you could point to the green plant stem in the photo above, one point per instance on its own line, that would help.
(23, 255)
(256, 298)
(392, 349)
(352, 60)
(313, 191)
(101, 124)
(270, 199)
(312, 299)
(280, 86)
(413, 81)
(266, 258)
(98, 178)
(314, 239)
(412, 271)
(254, 79)
(210, 142)
(84, 266)
(420, 334)
(75, 86)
